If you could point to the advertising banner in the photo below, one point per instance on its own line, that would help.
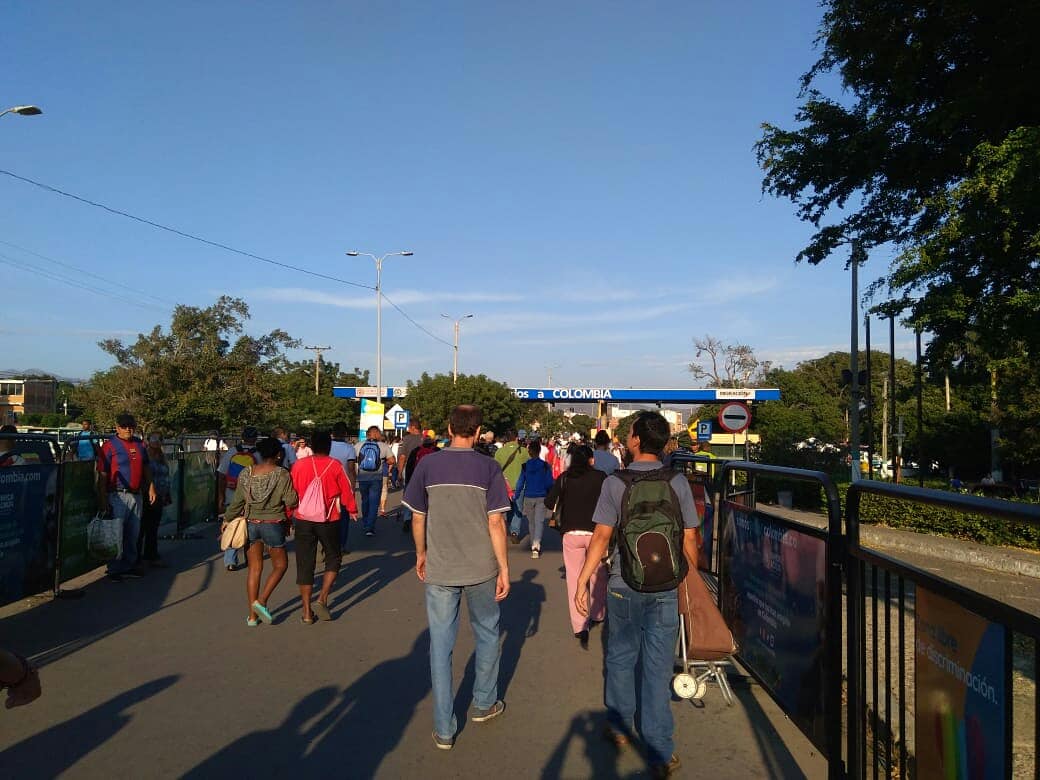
(372, 413)
(78, 507)
(200, 488)
(960, 717)
(28, 529)
(773, 599)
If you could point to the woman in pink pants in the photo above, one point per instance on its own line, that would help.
(574, 495)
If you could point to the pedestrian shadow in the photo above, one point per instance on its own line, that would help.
(362, 578)
(381, 571)
(280, 749)
(585, 733)
(371, 716)
(519, 618)
(52, 752)
(771, 747)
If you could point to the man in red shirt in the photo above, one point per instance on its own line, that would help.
(123, 464)
(323, 488)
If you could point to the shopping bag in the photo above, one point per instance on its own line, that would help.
(105, 538)
(234, 534)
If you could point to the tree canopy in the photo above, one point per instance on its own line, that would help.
(432, 398)
(205, 372)
(934, 146)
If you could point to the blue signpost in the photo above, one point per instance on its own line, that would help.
(704, 430)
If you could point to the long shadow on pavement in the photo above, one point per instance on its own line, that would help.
(57, 628)
(334, 734)
(57, 749)
(587, 730)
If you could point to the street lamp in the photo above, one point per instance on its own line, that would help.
(23, 110)
(455, 363)
(379, 313)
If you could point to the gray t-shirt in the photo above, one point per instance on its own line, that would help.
(458, 489)
(608, 508)
(384, 455)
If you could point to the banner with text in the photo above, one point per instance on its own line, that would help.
(773, 601)
(960, 719)
(28, 529)
(372, 413)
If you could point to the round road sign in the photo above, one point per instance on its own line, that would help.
(735, 417)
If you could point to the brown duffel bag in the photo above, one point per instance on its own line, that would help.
(708, 638)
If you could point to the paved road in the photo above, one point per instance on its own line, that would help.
(161, 678)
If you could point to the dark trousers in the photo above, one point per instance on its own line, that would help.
(308, 536)
(148, 541)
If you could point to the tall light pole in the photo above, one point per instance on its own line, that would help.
(455, 362)
(22, 110)
(379, 313)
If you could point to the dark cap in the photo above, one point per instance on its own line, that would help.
(250, 433)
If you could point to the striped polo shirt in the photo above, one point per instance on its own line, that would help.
(457, 489)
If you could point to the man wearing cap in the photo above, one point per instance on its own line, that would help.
(511, 457)
(122, 463)
(234, 461)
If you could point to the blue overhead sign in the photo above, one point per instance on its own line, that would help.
(636, 395)
(592, 394)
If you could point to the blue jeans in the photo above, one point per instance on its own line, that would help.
(442, 611)
(371, 490)
(515, 517)
(647, 622)
(126, 506)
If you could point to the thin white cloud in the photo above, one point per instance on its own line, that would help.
(290, 295)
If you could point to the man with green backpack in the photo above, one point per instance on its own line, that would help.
(647, 517)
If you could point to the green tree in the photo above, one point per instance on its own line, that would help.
(294, 399)
(624, 425)
(192, 376)
(432, 398)
(934, 147)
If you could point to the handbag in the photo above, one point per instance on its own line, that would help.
(235, 532)
(105, 538)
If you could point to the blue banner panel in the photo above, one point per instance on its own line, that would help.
(28, 530)
(609, 394)
(773, 602)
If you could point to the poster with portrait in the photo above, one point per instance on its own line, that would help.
(773, 599)
(960, 697)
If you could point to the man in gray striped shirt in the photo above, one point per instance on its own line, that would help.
(458, 499)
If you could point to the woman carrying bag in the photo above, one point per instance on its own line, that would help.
(572, 500)
(264, 495)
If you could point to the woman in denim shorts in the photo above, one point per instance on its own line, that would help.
(264, 495)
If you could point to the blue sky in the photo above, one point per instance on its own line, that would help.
(579, 176)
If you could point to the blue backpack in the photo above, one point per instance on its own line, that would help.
(370, 457)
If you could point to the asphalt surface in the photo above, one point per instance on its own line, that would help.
(160, 677)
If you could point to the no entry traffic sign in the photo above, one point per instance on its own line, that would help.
(735, 417)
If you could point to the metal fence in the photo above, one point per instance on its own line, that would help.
(48, 497)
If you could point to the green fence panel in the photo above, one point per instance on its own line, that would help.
(200, 488)
(172, 512)
(78, 507)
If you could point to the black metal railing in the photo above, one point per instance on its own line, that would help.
(816, 645)
(949, 620)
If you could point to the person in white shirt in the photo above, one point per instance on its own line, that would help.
(290, 454)
(343, 451)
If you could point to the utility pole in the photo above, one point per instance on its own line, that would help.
(455, 360)
(854, 369)
(549, 368)
(317, 365)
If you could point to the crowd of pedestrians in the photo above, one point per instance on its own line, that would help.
(465, 499)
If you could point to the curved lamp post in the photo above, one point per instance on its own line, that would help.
(455, 362)
(22, 110)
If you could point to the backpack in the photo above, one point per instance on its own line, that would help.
(649, 535)
(242, 459)
(312, 504)
(369, 456)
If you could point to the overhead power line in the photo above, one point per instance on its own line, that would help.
(181, 233)
(200, 239)
(416, 324)
(83, 271)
